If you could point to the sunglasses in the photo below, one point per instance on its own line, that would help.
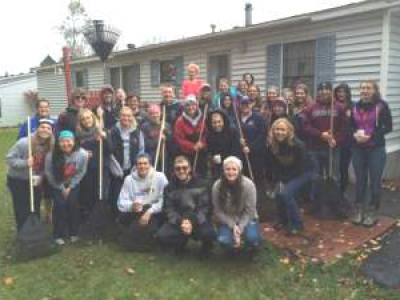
(181, 168)
(80, 97)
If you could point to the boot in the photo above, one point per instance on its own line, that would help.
(358, 217)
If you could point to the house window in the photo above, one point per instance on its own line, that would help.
(80, 78)
(299, 64)
(168, 72)
(126, 77)
(115, 77)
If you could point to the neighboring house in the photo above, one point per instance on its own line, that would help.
(343, 44)
(13, 109)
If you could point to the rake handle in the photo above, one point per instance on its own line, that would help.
(31, 195)
(196, 157)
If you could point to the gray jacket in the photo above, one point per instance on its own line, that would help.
(78, 161)
(241, 219)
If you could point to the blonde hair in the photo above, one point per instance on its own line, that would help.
(128, 109)
(272, 141)
(48, 146)
(83, 112)
(194, 66)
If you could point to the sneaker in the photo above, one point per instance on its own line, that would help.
(369, 220)
(74, 239)
(357, 219)
(59, 241)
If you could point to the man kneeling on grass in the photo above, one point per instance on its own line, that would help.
(187, 208)
(140, 203)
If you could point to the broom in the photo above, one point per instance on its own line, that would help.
(101, 223)
(196, 157)
(32, 240)
(330, 192)
(246, 155)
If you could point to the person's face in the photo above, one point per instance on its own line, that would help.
(43, 109)
(227, 102)
(182, 170)
(325, 94)
(281, 132)
(44, 131)
(120, 96)
(87, 120)
(278, 110)
(67, 145)
(242, 86)
(126, 118)
(207, 95)
(107, 97)
(367, 91)
(192, 72)
(252, 92)
(191, 108)
(224, 87)
(80, 101)
(217, 122)
(155, 115)
(300, 96)
(289, 96)
(272, 94)
(133, 103)
(245, 109)
(340, 94)
(167, 94)
(143, 166)
(248, 79)
(231, 172)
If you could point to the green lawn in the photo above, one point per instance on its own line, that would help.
(105, 272)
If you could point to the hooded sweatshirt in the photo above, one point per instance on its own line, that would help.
(137, 190)
(317, 119)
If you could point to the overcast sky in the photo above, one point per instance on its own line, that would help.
(29, 34)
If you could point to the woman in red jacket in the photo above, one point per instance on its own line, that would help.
(189, 135)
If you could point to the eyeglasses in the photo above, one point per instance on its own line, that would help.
(181, 168)
(80, 97)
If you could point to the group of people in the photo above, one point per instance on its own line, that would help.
(196, 167)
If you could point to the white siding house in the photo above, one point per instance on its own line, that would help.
(13, 109)
(344, 44)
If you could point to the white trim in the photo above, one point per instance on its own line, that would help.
(385, 53)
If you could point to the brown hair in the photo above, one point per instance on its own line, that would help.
(377, 94)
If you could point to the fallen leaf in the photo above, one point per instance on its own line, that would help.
(373, 242)
(9, 281)
(129, 271)
(285, 260)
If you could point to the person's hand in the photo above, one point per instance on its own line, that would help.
(332, 143)
(198, 146)
(100, 135)
(137, 207)
(246, 150)
(90, 153)
(361, 139)
(100, 112)
(65, 192)
(30, 162)
(243, 142)
(186, 227)
(325, 136)
(236, 236)
(145, 218)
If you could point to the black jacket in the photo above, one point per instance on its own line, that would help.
(68, 119)
(187, 201)
(118, 147)
(291, 162)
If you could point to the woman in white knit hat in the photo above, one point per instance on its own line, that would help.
(234, 206)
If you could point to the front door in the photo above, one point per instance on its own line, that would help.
(218, 66)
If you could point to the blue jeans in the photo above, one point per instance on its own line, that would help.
(288, 210)
(369, 162)
(251, 235)
(65, 213)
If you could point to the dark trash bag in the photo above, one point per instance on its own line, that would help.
(138, 238)
(33, 241)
